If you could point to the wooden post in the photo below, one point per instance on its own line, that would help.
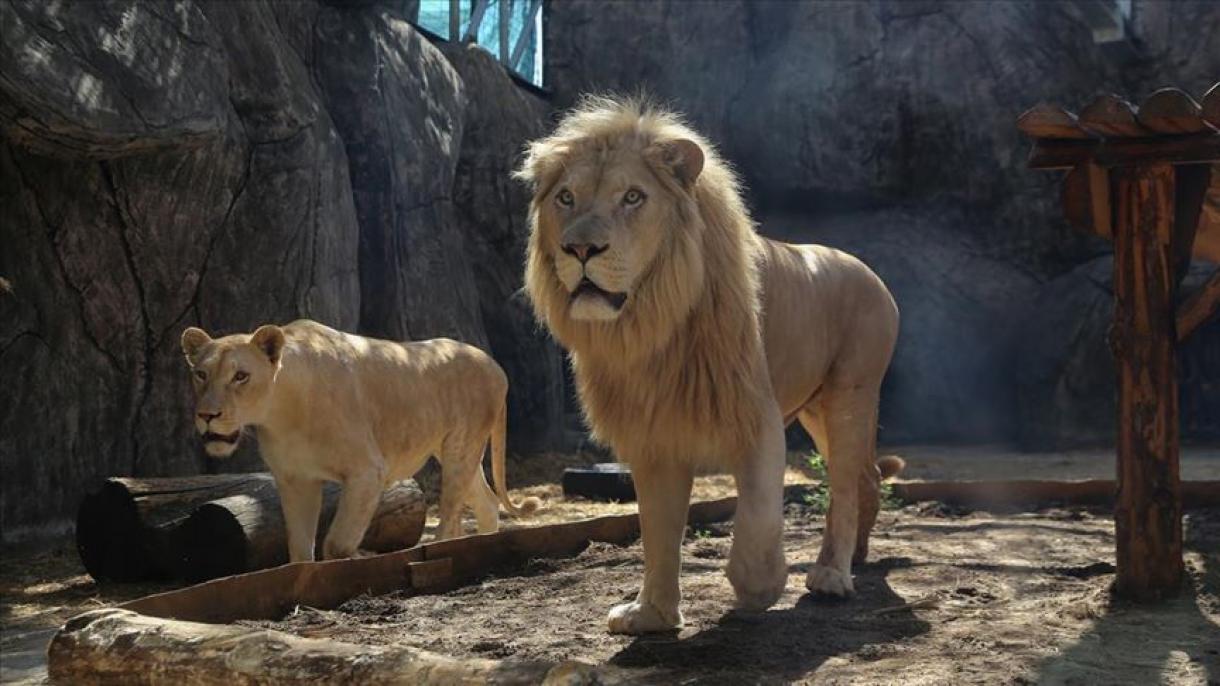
(1148, 511)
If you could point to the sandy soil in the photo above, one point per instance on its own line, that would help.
(946, 598)
(42, 586)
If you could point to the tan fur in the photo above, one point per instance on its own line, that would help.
(721, 338)
(332, 406)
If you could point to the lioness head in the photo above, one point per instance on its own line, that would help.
(617, 237)
(232, 377)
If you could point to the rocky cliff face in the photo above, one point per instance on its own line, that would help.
(227, 164)
(886, 127)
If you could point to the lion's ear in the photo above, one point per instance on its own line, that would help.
(542, 164)
(193, 339)
(683, 158)
(270, 340)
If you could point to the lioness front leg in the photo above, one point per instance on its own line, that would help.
(301, 502)
(357, 504)
(663, 491)
(757, 568)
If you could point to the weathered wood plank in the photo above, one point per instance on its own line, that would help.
(1199, 306)
(1172, 111)
(1039, 493)
(1045, 120)
(1148, 511)
(1110, 115)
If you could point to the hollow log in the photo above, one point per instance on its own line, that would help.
(161, 651)
(133, 529)
(245, 532)
(1148, 511)
(124, 530)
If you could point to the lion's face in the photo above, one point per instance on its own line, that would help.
(608, 219)
(607, 215)
(232, 377)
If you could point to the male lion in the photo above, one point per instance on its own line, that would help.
(333, 406)
(694, 341)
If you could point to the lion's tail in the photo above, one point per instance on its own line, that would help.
(890, 465)
(499, 437)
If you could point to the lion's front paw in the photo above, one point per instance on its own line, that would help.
(760, 583)
(639, 618)
(830, 581)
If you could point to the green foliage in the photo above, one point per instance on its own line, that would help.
(818, 499)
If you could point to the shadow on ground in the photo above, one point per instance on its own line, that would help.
(787, 643)
(1167, 643)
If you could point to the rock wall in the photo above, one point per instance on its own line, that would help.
(886, 127)
(226, 164)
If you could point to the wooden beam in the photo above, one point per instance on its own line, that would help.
(1199, 306)
(1148, 511)
(455, 19)
(1064, 154)
(1036, 493)
(1110, 115)
(1211, 106)
(1045, 120)
(1172, 111)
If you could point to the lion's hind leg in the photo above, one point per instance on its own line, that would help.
(483, 502)
(844, 424)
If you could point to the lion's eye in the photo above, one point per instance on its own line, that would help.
(201, 375)
(240, 377)
(564, 197)
(633, 197)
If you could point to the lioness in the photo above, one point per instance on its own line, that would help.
(694, 341)
(333, 406)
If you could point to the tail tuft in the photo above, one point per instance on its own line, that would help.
(527, 506)
(890, 465)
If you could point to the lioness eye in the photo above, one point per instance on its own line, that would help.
(633, 196)
(201, 375)
(565, 198)
(240, 377)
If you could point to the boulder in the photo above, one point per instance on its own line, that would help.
(204, 184)
(398, 106)
(491, 211)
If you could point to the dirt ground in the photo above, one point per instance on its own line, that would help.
(961, 598)
(42, 586)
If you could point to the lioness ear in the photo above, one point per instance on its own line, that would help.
(193, 339)
(270, 340)
(684, 158)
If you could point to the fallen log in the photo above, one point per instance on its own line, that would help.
(245, 532)
(124, 530)
(142, 529)
(161, 651)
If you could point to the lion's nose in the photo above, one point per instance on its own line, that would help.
(583, 251)
(208, 416)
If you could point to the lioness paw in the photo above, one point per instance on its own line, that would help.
(639, 618)
(830, 581)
